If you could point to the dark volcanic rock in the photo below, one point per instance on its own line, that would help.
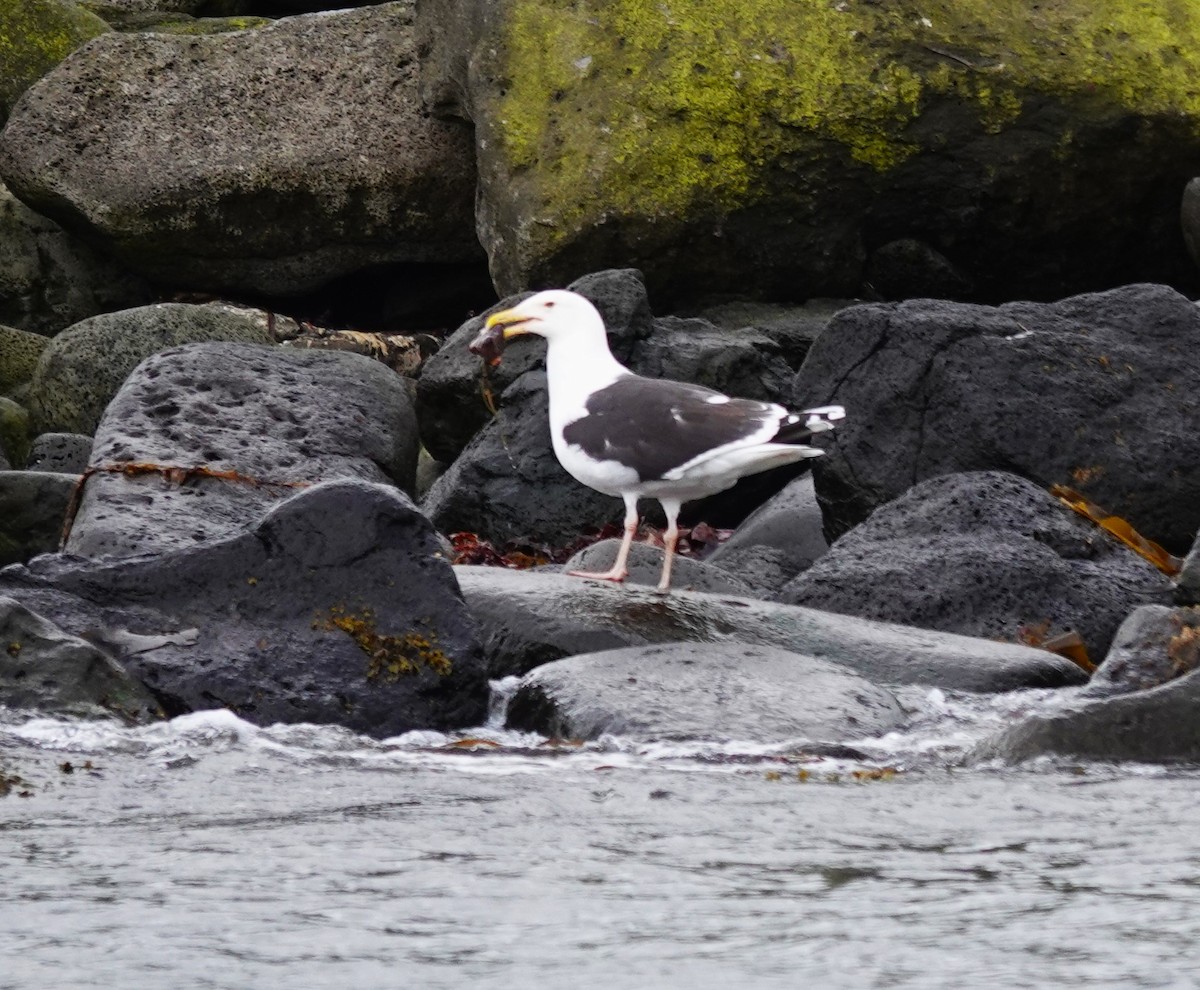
(527, 619)
(983, 554)
(33, 507)
(719, 691)
(1154, 726)
(1154, 645)
(64, 453)
(52, 672)
(275, 417)
(1187, 583)
(1100, 392)
(336, 608)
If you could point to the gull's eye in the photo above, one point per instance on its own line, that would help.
(550, 304)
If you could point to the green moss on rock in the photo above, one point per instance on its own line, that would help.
(653, 107)
(35, 35)
(19, 353)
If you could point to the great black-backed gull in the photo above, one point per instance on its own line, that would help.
(636, 437)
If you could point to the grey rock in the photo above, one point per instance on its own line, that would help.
(51, 672)
(1154, 645)
(793, 327)
(84, 366)
(527, 619)
(50, 279)
(724, 691)
(64, 453)
(1187, 582)
(910, 269)
(337, 607)
(645, 567)
(790, 524)
(19, 354)
(1100, 392)
(765, 569)
(33, 508)
(1154, 726)
(297, 153)
(270, 418)
(14, 430)
(983, 554)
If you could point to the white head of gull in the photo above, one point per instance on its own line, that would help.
(635, 437)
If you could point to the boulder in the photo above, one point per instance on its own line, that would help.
(726, 691)
(983, 554)
(1100, 392)
(14, 431)
(1154, 645)
(645, 567)
(788, 527)
(256, 162)
(50, 279)
(768, 149)
(527, 619)
(48, 671)
(63, 453)
(1158, 725)
(20, 351)
(793, 327)
(336, 607)
(37, 35)
(1187, 584)
(202, 439)
(33, 508)
(84, 366)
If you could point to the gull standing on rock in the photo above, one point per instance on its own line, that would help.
(636, 437)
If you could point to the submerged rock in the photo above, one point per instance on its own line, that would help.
(527, 619)
(720, 691)
(337, 607)
(983, 554)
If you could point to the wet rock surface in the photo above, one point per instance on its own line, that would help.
(720, 691)
(259, 421)
(526, 619)
(1154, 645)
(1099, 392)
(33, 510)
(45, 669)
(337, 607)
(645, 568)
(983, 554)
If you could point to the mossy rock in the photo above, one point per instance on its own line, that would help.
(182, 24)
(84, 366)
(35, 35)
(768, 146)
(14, 431)
(19, 353)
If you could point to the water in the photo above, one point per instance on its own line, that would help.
(207, 853)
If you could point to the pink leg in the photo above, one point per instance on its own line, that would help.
(620, 569)
(670, 538)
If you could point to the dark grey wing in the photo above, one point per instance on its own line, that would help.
(655, 426)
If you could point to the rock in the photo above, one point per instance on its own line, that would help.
(14, 430)
(1189, 218)
(63, 453)
(645, 567)
(37, 35)
(507, 484)
(336, 607)
(1099, 392)
(1187, 583)
(33, 507)
(527, 619)
(1154, 726)
(982, 554)
(1154, 645)
(84, 366)
(793, 328)
(19, 354)
(790, 525)
(257, 422)
(46, 670)
(50, 280)
(910, 269)
(723, 691)
(761, 149)
(295, 153)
